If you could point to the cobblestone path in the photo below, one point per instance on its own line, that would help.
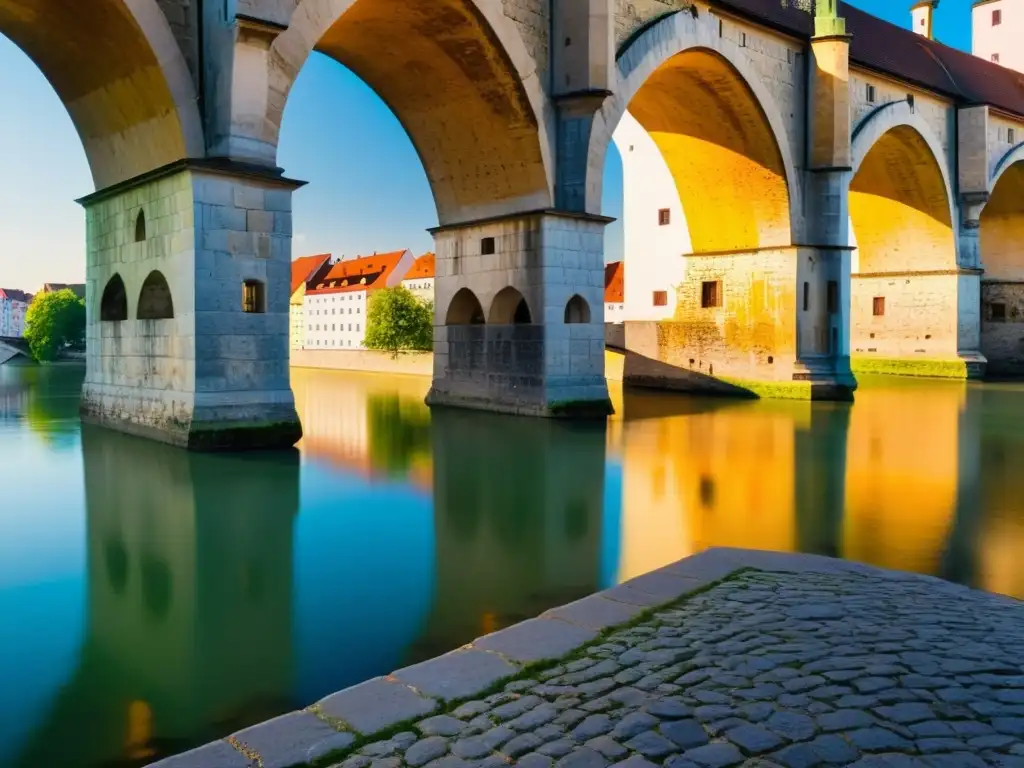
(764, 669)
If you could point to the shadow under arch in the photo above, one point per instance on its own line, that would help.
(121, 75)
(458, 58)
(464, 309)
(114, 301)
(509, 307)
(155, 300)
(577, 310)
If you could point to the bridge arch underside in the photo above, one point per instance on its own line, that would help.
(735, 310)
(119, 74)
(1002, 288)
(445, 74)
(905, 286)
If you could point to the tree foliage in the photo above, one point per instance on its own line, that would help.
(397, 320)
(55, 322)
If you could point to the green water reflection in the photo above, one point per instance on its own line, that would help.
(154, 599)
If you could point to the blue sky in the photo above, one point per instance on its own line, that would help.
(367, 189)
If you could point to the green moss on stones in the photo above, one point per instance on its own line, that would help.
(941, 369)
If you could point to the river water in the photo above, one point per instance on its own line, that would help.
(151, 599)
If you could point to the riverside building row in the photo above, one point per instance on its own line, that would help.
(329, 298)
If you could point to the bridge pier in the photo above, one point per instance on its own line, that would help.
(519, 315)
(187, 307)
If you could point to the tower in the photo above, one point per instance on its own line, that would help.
(997, 29)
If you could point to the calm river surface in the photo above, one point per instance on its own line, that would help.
(151, 599)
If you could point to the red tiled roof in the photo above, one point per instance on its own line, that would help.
(360, 274)
(901, 53)
(613, 283)
(305, 267)
(423, 267)
(15, 295)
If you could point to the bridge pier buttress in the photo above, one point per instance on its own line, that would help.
(519, 315)
(187, 307)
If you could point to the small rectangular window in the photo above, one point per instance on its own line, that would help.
(664, 217)
(1011, 135)
(878, 306)
(870, 93)
(253, 298)
(997, 18)
(807, 296)
(998, 311)
(661, 298)
(487, 246)
(995, 57)
(832, 297)
(743, 39)
(711, 294)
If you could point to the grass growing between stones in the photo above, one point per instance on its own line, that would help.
(530, 671)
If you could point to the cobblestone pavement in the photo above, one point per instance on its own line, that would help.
(800, 661)
(765, 669)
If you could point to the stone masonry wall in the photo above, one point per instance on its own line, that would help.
(242, 358)
(752, 335)
(1002, 337)
(1000, 140)
(937, 113)
(532, 18)
(920, 317)
(141, 371)
(548, 259)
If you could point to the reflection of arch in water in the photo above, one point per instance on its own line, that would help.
(183, 634)
(515, 533)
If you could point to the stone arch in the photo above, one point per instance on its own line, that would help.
(1001, 230)
(577, 310)
(155, 301)
(460, 63)
(119, 71)
(509, 307)
(901, 204)
(464, 309)
(727, 119)
(114, 302)
(1007, 161)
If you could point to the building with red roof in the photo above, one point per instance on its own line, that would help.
(614, 290)
(335, 305)
(420, 278)
(305, 269)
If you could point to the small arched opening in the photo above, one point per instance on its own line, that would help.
(509, 308)
(577, 310)
(114, 303)
(155, 302)
(140, 227)
(464, 309)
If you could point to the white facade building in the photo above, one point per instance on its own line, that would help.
(654, 232)
(420, 279)
(13, 308)
(335, 309)
(998, 32)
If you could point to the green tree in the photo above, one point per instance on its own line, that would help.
(397, 320)
(54, 323)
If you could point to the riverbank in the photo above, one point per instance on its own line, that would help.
(721, 658)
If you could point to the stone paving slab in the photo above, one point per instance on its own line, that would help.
(771, 660)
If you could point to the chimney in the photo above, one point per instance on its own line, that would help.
(922, 14)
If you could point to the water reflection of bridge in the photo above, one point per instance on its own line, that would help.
(914, 476)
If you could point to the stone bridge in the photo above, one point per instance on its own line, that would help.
(842, 193)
